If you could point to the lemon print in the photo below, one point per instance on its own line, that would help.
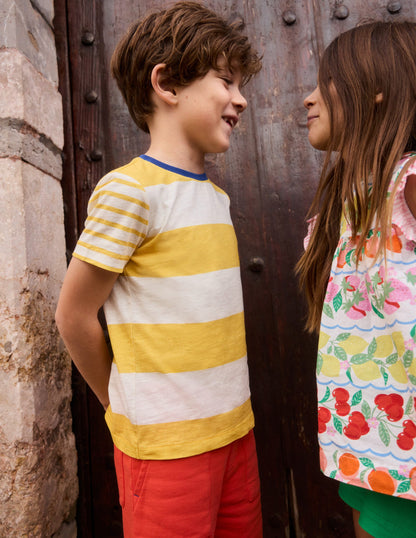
(399, 342)
(367, 371)
(354, 344)
(412, 368)
(384, 346)
(398, 371)
(330, 366)
(323, 340)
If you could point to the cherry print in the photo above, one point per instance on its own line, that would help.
(321, 426)
(409, 429)
(394, 412)
(352, 431)
(392, 404)
(397, 399)
(365, 429)
(342, 408)
(382, 401)
(340, 394)
(357, 418)
(404, 442)
(324, 414)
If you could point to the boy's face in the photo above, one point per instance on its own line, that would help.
(208, 110)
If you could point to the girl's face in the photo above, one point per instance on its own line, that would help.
(318, 122)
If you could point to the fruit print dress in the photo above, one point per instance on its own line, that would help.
(366, 366)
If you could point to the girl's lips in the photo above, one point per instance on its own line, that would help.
(310, 119)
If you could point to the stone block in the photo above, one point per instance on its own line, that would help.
(15, 426)
(26, 95)
(45, 8)
(32, 239)
(44, 228)
(12, 243)
(30, 30)
(17, 139)
(38, 485)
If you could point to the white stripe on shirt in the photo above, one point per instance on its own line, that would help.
(181, 299)
(154, 398)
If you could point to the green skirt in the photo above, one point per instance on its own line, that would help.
(382, 516)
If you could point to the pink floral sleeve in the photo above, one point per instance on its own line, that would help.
(402, 216)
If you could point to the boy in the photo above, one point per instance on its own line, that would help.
(159, 252)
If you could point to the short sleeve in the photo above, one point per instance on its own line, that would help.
(402, 216)
(117, 223)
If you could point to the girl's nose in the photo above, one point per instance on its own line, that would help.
(310, 99)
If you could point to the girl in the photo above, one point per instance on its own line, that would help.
(359, 273)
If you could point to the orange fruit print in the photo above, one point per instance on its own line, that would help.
(348, 464)
(412, 476)
(380, 481)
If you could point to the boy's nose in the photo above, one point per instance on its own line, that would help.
(239, 101)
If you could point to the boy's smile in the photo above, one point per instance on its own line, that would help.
(207, 111)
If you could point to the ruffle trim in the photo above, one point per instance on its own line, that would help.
(402, 216)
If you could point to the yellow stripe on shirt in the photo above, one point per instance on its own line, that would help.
(115, 225)
(107, 237)
(180, 439)
(102, 251)
(118, 211)
(111, 194)
(140, 344)
(185, 251)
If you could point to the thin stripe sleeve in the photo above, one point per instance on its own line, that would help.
(116, 224)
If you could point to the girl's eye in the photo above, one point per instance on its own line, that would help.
(227, 80)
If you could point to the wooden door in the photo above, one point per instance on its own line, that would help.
(270, 173)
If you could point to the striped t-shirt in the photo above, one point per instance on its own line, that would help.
(179, 379)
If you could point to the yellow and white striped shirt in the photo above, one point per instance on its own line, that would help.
(179, 380)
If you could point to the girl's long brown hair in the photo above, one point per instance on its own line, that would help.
(372, 59)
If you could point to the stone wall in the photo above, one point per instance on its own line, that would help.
(38, 483)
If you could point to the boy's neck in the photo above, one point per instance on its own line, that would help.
(174, 155)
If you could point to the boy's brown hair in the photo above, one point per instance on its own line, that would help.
(190, 39)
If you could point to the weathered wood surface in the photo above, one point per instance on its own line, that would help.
(270, 173)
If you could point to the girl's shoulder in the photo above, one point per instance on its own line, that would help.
(404, 168)
(402, 216)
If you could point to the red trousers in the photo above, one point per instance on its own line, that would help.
(215, 494)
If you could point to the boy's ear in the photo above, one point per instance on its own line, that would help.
(379, 98)
(162, 84)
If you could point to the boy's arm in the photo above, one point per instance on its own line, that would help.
(410, 193)
(84, 291)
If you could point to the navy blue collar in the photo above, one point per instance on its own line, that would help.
(199, 177)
